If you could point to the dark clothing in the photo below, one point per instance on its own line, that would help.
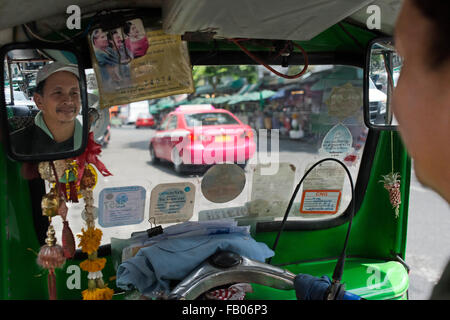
(33, 140)
(442, 290)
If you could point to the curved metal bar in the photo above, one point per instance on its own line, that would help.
(207, 276)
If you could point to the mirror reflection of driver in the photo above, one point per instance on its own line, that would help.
(55, 127)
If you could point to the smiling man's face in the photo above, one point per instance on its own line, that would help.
(60, 101)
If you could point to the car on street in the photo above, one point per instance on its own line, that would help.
(144, 120)
(377, 103)
(21, 110)
(201, 135)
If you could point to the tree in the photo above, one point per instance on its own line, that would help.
(213, 75)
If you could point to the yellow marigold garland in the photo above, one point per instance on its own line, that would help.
(90, 240)
(98, 294)
(93, 265)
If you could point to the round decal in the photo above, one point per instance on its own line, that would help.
(223, 182)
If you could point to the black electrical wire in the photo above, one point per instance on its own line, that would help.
(339, 269)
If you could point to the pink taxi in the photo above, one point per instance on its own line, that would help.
(194, 135)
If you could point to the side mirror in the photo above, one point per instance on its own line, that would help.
(381, 73)
(45, 118)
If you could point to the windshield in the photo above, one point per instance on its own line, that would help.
(209, 119)
(171, 176)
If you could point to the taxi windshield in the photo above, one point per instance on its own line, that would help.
(209, 119)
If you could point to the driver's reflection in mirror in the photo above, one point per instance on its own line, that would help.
(55, 127)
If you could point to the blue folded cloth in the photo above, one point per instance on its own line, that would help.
(152, 268)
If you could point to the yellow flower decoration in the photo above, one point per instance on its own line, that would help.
(90, 240)
(93, 265)
(98, 294)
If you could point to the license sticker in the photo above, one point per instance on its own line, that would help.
(337, 142)
(320, 201)
(172, 202)
(121, 206)
(223, 213)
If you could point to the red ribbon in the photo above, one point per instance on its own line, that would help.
(68, 241)
(93, 149)
(51, 283)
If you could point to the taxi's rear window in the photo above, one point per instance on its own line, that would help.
(209, 119)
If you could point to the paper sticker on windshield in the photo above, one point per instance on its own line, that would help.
(337, 142)
(121, 206)
(344, 101)
(223, 213)
(320, 201)
(328, 175)
(277, 188)
(172, 202)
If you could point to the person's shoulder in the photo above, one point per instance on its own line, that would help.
(21, 139)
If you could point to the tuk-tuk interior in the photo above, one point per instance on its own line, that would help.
(327, 98)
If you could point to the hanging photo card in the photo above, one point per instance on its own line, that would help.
(136, 62)
(172, 202)
(121, 206)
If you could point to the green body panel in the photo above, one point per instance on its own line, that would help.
(334, 39)
(19, 271)
(368, 278)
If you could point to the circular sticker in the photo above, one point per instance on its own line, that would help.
(223, 182)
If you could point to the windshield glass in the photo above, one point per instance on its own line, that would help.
(209, 119)
(287, 125)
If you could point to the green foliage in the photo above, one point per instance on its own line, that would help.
(214, 75)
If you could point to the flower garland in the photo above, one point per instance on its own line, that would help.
(90, 240)
(69, 180)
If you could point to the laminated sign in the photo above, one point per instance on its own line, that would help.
(121, 206)
(172, 202)
(135, 63)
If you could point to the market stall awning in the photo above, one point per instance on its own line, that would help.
(153, 109)
(251, 96)
(165, 103)
(251, 87)
(337, 77)
(230, 86)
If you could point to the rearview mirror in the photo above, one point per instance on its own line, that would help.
(43, 102)
(381, 73)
